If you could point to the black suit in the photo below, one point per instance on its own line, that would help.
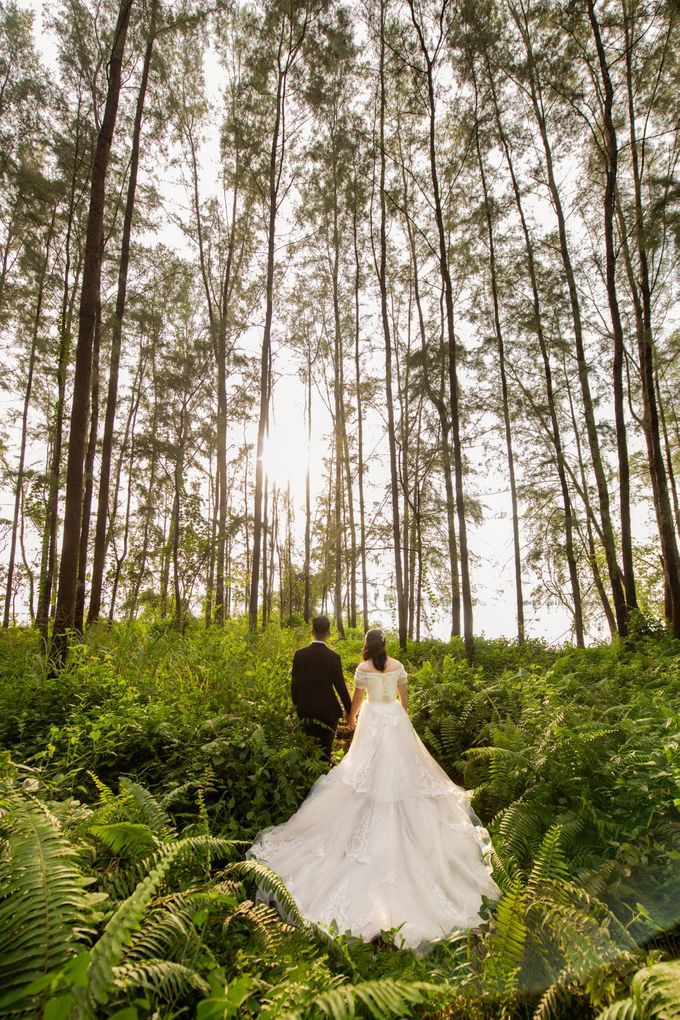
(317, 683)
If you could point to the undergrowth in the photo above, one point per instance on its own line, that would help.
(133, 782)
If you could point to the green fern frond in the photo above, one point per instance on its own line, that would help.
(270, 886)
(520, 827)
(105, 792)
(108, 951)
(550, 862)
(655, 992)
(126, 839)
(506, 941)
(555, 1001)
(268, 927)
(43, 900)
(150, 810)
(624, 1009)
(382, 999)
(165, 979)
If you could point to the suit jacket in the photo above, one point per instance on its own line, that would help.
(317, 676)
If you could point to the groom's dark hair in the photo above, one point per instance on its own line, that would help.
(321, 625)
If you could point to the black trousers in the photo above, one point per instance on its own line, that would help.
(323, 733)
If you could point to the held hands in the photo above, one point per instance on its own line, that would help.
(351, 722)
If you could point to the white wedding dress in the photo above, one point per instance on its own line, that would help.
(385, 838)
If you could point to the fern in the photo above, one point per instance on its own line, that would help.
(43, 904)
(119, 932)
(150, 810)
(382, 999)
(126, 839)
(163, 978)
(506, 941)
(655, 992)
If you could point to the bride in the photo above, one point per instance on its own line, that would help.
(385, 839)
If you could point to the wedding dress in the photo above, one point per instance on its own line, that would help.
(385, 838)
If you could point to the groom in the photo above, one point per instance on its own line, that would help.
(317, 684)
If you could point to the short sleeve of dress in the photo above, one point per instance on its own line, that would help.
(360, 680)
(402, 678)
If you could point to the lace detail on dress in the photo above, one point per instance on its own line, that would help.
(357, 845)
(335, 908)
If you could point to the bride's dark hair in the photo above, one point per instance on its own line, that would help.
(374, 649)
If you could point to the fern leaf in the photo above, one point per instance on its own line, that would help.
(108, 951)
(149, 808)
(126, 839)
(506, 941)
(43, 903)
(382, 999)
(165, 979)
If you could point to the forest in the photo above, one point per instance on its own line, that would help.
(366, 308)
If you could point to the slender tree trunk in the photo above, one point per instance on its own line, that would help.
(339, 417)
(178, 476)
(210, 573)
(24, 421)
(505, 401)
(89, 478)
(645, 343)
(360, 421)
(116, 338)
(468, 637)
(590, 516)
(614, 571)
(308, 498)
(265, 561)
(120, 560)
(609, 199)
(49, 542)
(555, 432)
(90, 296)
(382, 275)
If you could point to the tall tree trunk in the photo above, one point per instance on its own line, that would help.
(360, 421)
(178, 476)
(505, 401)
(642, 293)
(24, 421)
(276, 159)
(590, 516)
(90, 296)
(339, 420)
(382, 276)
(89, 477)
(308, 500)
(49, 541)
(614, 571)
(611, 158)
(116, 338)
(468, 636)
(555, 432)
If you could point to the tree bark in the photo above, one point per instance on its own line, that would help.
(90, 296)
(505, 402)
(382, 276)
(642, 294)
(24, 421)
(89, 477)
(614, 571)
(116, 338)
(468, 635)
(611, 158)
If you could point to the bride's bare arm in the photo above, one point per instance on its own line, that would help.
(402, 691)
(356, 705)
